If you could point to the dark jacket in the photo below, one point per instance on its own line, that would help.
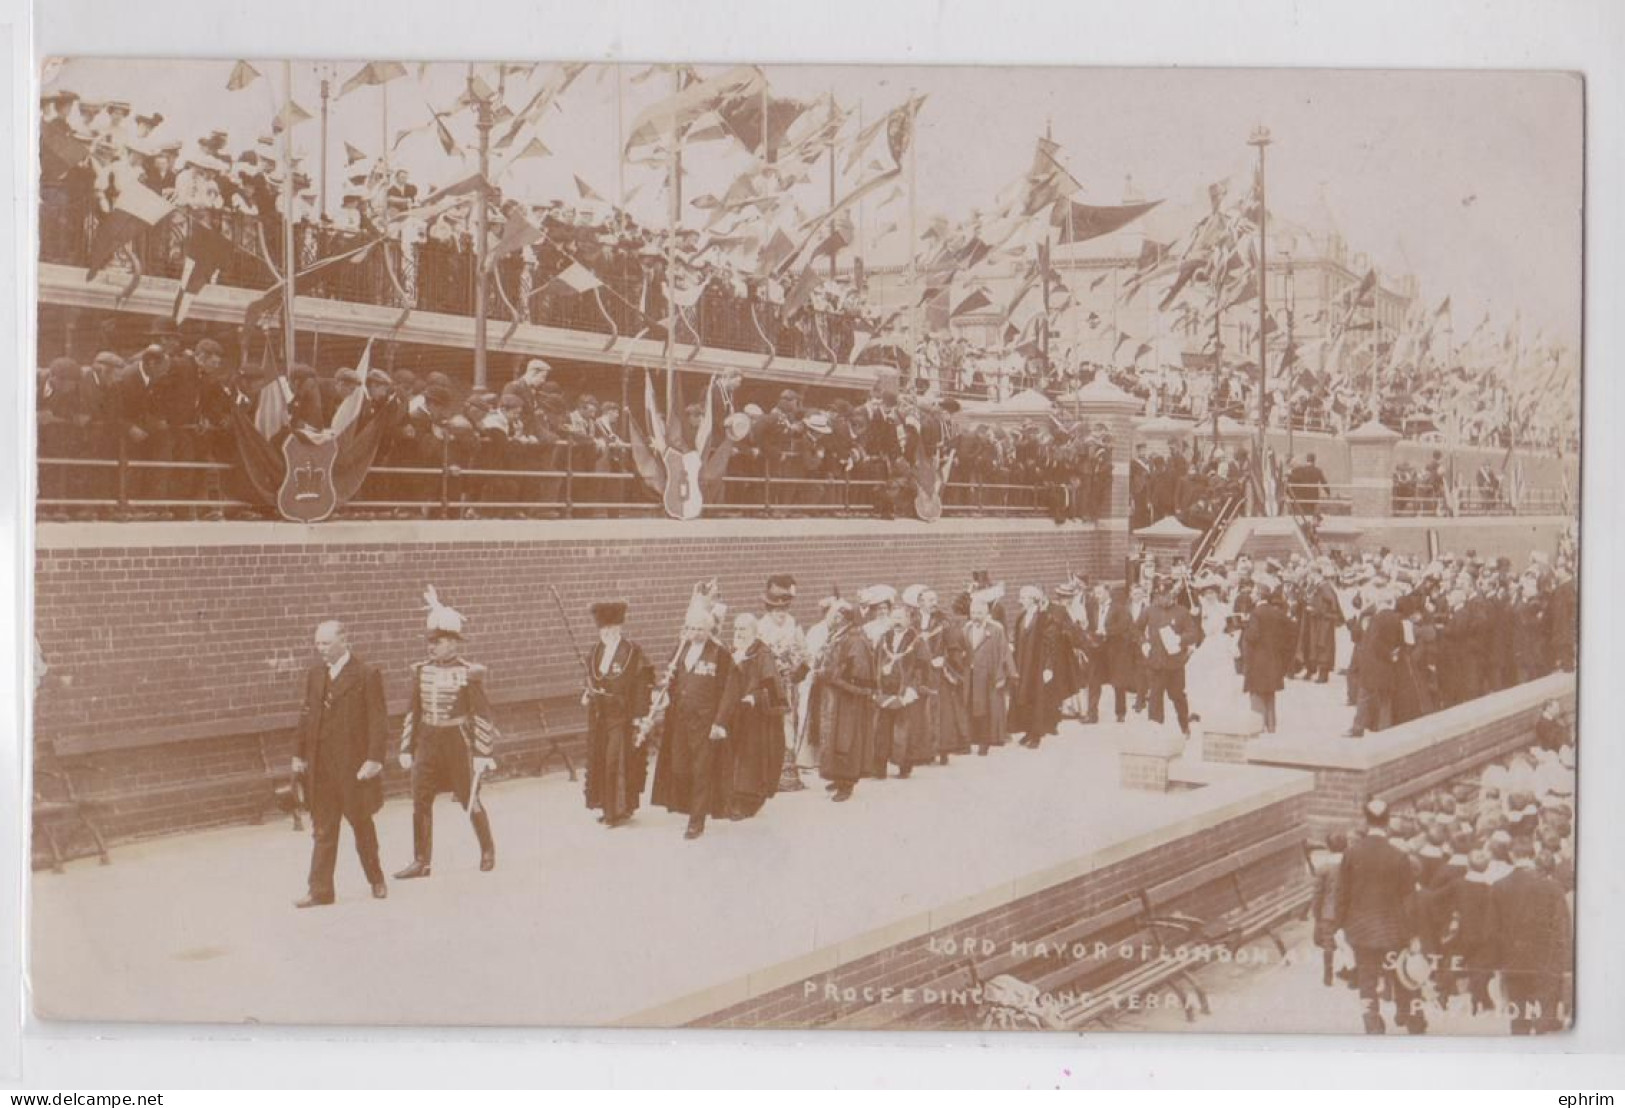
(342, 724)
(1373, 894)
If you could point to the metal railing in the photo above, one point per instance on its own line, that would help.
(126, 487)
(1338, 500)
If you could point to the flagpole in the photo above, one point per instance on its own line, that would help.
(913, 250)
(326, 89)
(831, 125)
(383, 137)
(290, 263)
(1261, 139)
(863, 213)
(620, 140)
(482, 123)
(674, 170)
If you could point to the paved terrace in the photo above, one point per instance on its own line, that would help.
(579, 925)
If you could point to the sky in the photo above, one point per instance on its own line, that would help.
(1470, 180)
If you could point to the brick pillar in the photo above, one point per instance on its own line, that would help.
(1101, 402)
(1160, 433)
(1371, 469)
(1167, 539)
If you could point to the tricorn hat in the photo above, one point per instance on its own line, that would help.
(609, 613)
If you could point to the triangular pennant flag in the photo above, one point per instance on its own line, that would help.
(586, 190)
(1082, 222)
(447, 143)
(353, 155)
(291, 115)
(470, 184)
(373, 73)
(535, 148)
(576, 278)
(242, 75)
(517, 234)
(975, 300)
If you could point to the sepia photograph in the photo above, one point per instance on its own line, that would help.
(806, 547)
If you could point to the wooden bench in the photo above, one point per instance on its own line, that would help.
(971, 974)
(58, 805)
(59, 798)
(1098, 995)
(1250, 917)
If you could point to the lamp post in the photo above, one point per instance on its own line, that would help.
(1290, 368)
(1261, 139)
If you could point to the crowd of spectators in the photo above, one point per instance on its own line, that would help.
(535, 448)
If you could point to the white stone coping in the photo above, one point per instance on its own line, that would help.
(203, 533)
(1377, 748)
(1231, 791)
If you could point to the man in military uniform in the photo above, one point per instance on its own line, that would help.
(448, 740)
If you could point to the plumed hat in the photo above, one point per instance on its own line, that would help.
(442, 621)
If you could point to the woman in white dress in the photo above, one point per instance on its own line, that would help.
(1211, 682)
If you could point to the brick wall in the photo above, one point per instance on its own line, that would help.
(917, 962)
(1461, 740)
(173, 647)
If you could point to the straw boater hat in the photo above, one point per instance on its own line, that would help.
(876, 595)
(912, 594)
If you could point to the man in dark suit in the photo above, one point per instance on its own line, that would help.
(139, 410)
(1111, 638)
(1377, 658)
(1374, 889)
(1534, 943)
(1170, 634)
(339, 753)
(1035, 704)
(1307, 482)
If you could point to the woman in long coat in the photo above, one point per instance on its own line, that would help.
(1268, 644)
(846, 710)
(620, 682)
(950, 712)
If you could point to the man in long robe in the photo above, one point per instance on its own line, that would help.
(903, 667)
(619, 684)
(846, 703)
(693, 771)
(752, 716)
(991, 670)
